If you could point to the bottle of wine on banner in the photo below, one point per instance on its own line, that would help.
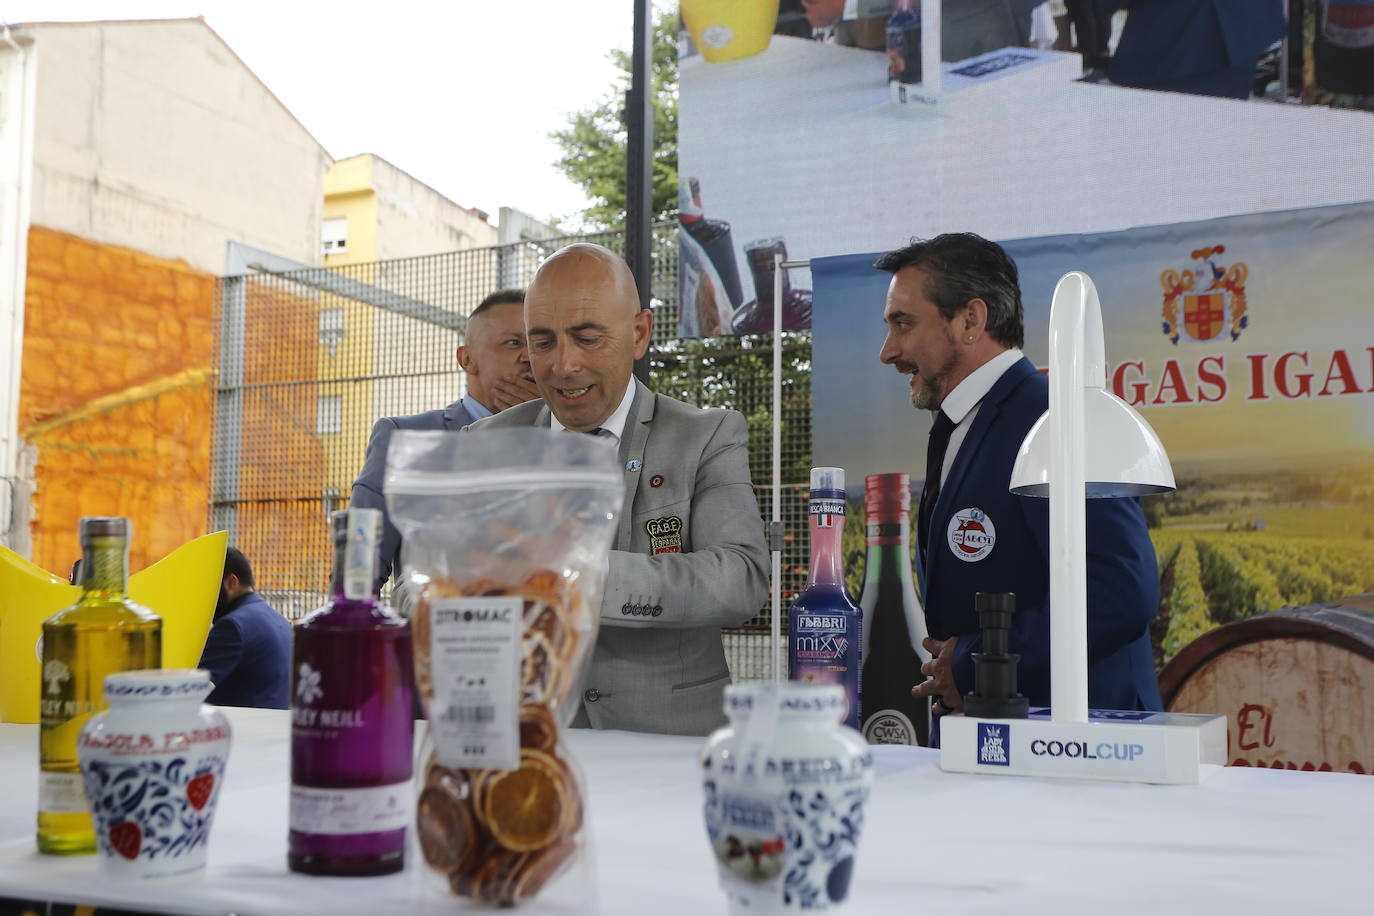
(824, 627)
(756, 316)
(893, 622)
(706, 307)
(904, 43)
(713, 235)
(1343, 46)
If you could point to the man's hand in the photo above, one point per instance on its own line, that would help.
(941, 683)
(507, 392)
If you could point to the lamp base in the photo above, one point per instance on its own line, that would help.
(1124, 746)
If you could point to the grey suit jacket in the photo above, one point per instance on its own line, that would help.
(367, 489)
(689, 558)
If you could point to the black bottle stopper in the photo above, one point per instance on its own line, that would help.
(994, 669)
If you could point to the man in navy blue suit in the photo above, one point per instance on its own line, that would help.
(496, 362)
(248, 651)
(955, 326)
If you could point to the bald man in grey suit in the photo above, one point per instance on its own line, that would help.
(689, 556)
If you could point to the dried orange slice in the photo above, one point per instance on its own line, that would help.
(546, 584)
(541, 672)
(541, 867)
(449, 836)
(525, 809)
(544, 619)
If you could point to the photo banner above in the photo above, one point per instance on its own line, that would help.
(1247, 343)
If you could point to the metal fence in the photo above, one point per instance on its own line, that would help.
(309, 359)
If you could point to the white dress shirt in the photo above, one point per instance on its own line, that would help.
(615, 423)
(961, 404)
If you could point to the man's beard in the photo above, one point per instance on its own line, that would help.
(221, 604)
(930, 392)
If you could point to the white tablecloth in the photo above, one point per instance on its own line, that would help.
(1246, 841)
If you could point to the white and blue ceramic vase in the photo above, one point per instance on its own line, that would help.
(152, 765)
(785, 786)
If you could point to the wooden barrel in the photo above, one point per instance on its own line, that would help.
(1296, 685)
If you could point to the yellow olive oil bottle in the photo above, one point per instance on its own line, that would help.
(102, 633)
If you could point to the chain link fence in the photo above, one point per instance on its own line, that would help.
(309, 359)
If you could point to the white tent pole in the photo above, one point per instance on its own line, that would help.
(775, 527)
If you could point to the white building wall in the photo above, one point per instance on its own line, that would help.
(414, 219)
(18, 66)
(155, 136)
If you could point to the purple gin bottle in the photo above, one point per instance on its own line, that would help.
(352, 704)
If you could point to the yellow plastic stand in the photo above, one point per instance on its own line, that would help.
(181, 588)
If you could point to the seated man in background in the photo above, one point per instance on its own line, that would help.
(248, 652)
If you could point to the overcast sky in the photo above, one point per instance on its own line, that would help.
(462, 94)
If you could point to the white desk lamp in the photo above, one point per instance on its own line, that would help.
(1124, 458)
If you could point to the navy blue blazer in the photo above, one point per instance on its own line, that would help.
(248, 655)
(1011, 554)
(1208, 47)
(367, 489)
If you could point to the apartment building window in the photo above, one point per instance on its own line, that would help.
(332, 328)
(334, 233)
(329, 414)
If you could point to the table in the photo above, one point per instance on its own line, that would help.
(1246, 841)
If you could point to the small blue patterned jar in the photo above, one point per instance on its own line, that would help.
(785, 786)
(152, 765)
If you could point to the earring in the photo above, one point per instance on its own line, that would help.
(970, 340)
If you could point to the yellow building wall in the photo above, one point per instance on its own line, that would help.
(348, 194)
(115, 394)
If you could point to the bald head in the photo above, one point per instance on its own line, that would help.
(585, 267)
(585, 329)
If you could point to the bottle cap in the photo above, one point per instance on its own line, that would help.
(358, 531)
(827, 478)
(104, 527)
(687, 209)
(887, 495)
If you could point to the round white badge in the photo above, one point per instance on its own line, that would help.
(717, 36)
(971, 535)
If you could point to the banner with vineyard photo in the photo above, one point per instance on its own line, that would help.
(1247, 343)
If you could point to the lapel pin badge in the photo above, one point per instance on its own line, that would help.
(656, 480)
(633, 465)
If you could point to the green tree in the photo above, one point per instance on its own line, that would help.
(593, 144)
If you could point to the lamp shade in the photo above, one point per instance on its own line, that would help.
(1124, 456)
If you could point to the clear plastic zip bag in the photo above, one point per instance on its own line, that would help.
(504, 544)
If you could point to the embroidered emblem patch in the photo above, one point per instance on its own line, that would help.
(971, 535)
(665, 534)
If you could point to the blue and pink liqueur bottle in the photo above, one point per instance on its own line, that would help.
(352, 708)
(823, 627)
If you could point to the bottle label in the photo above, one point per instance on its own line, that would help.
(889, 726)
(340, 812)
(61, 793)
(1349, 23)
(883, 535)
(476, 653)
(360, 550)
(827, 507)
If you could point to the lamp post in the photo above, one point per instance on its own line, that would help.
(1058, 460)
(1125, 458)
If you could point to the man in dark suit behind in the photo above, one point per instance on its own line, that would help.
(248, 651)
(955, 326)
(497, 365)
